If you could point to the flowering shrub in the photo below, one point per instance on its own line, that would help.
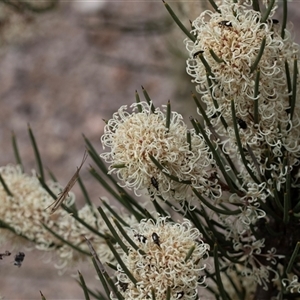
(223, 210)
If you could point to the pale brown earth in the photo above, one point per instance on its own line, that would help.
(68, 71)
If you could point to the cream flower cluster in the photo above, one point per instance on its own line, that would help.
(133, 137)
(230, 41)
(235, 35)
(164, 262)
(25, 213)
(25, 210)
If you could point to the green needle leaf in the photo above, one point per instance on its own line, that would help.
(137, 100)
(153, 294)
(36, 153)
(102, 274)
(168, 296)
(256, 94)
(268, 11)
(16, 151)
(190, 252)
(112, 230)
(284, 17)
(255, 5)
(178, 22)
(43, 297)
(294, 94)
(7, 190)
(206, 65)
(121, 263)
(214, 5)
(224, 295)
(128, 239)
(168, 116)
(213, 207)
(84, 287)
(293, 257)
(148, 99)
(259, 55)
(188, 139)
(216, 57)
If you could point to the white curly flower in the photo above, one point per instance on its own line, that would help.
(235, 35)
(164, 262)
(25, 213)
(134, 137)
(291, 283)
(25, 210)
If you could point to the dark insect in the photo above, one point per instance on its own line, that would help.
(123, 285)
(154, 182)
(275, 21)
(155, 239)
(215, 115)
(197, 53)
(242, 123)
(19, 259)
(6, 253)
(141, 238)
(179, 295)
(225, 23)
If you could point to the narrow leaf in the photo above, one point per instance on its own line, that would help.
(16, 151)
(293, 257)
(84, 287)
(36, 153)
(148, 99)
(259, 55)
(178, 22)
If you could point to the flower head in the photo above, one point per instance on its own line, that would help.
(235, 36)
(25, 210)
(25, 213)
(165, 262)
(229, 41)
(135, 137)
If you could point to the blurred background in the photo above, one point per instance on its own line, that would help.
(65, 66)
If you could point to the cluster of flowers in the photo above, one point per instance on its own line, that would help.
(242, 62)
(240, 171)
(24, 213)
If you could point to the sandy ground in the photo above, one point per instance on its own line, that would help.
(66, 71)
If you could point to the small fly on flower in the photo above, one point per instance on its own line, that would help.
(154, 182)
(155, 239)
(242, 123)
(123, 286)
(141, 238)
(19, 258)
(63, 195)
(225, 23)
